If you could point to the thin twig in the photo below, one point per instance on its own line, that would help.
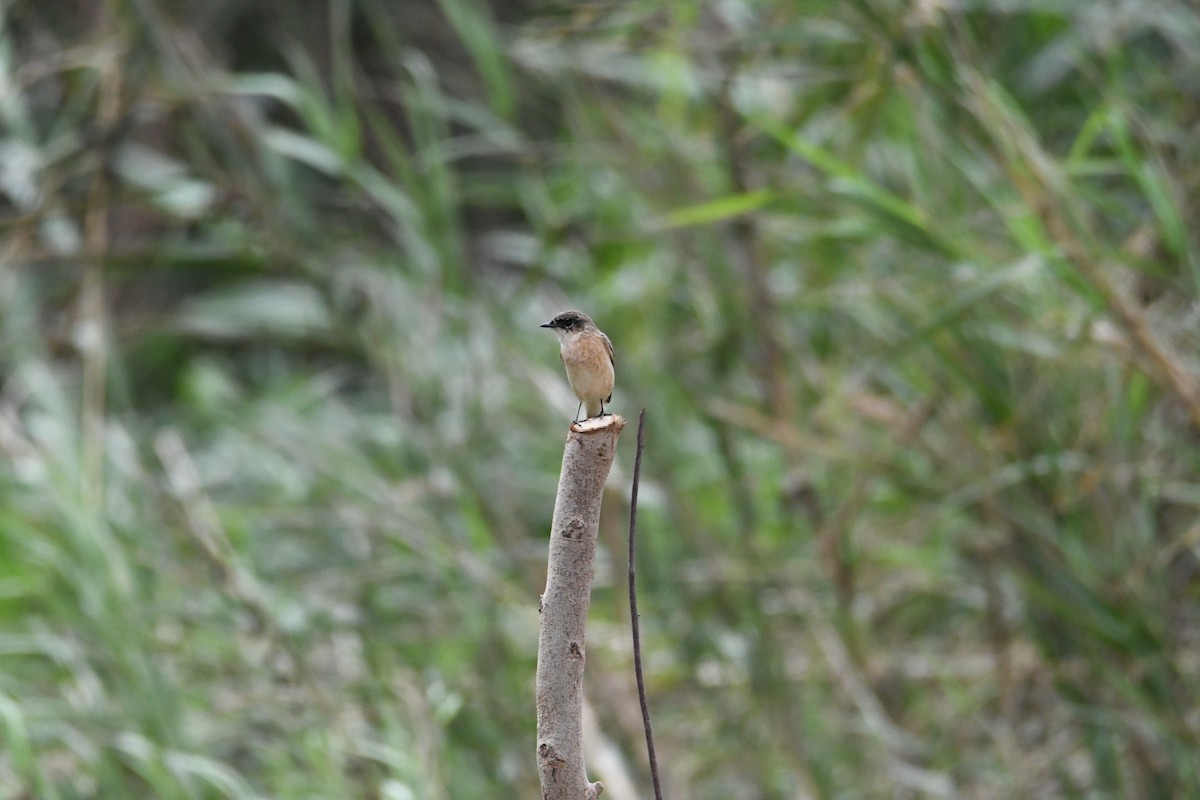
(633, 612)
(91, 333)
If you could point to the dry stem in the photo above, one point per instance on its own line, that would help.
(589, 452)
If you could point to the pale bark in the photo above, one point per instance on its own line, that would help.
(587, 457)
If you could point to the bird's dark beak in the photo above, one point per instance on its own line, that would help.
(546, 325)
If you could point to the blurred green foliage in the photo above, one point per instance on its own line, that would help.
(909, 290)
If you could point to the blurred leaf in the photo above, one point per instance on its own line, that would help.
(257, 308)
(306, 150)
(719, 210)
(900, 216)
(477, 32)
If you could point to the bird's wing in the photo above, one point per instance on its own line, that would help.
(612, 359)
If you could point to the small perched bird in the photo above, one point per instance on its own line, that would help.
(588, 356)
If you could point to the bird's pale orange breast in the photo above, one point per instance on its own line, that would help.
(589, 368)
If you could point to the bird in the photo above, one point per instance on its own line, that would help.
(587, 354)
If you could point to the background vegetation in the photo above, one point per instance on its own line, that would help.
(909, 289)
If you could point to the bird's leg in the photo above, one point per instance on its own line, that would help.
(577, 412)
(603, 413)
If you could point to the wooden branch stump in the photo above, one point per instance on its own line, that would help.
(587, 458)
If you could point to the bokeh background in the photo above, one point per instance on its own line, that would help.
(909, 290)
